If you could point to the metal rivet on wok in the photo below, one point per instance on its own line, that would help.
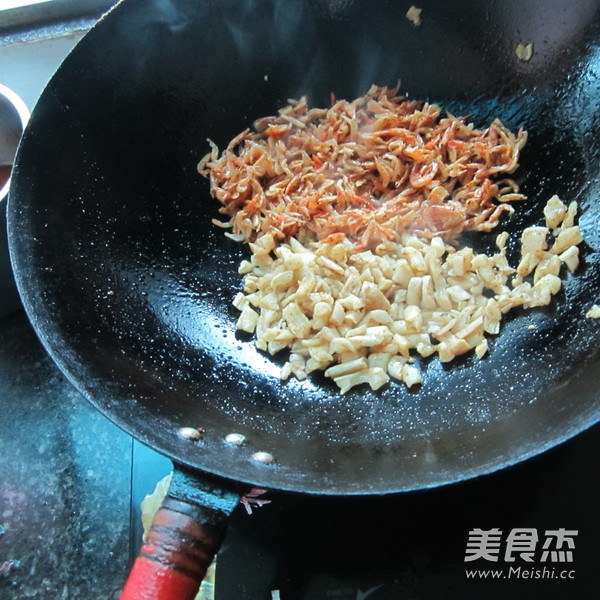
(190, 433)
(266, 458)
(235, 439)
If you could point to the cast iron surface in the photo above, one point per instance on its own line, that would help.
(129, 285)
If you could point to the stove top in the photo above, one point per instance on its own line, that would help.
(71, 486)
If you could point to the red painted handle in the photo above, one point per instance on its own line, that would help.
(151, 581)
(185, 535)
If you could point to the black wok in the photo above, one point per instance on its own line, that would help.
(129, 285)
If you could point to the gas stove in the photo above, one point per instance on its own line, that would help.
(72, 484)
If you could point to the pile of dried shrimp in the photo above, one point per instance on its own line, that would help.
(371, 169)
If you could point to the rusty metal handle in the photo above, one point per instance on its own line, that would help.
(184, 537)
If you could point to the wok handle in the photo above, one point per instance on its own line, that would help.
(184, 537)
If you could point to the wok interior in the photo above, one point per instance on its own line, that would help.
(129, 285)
